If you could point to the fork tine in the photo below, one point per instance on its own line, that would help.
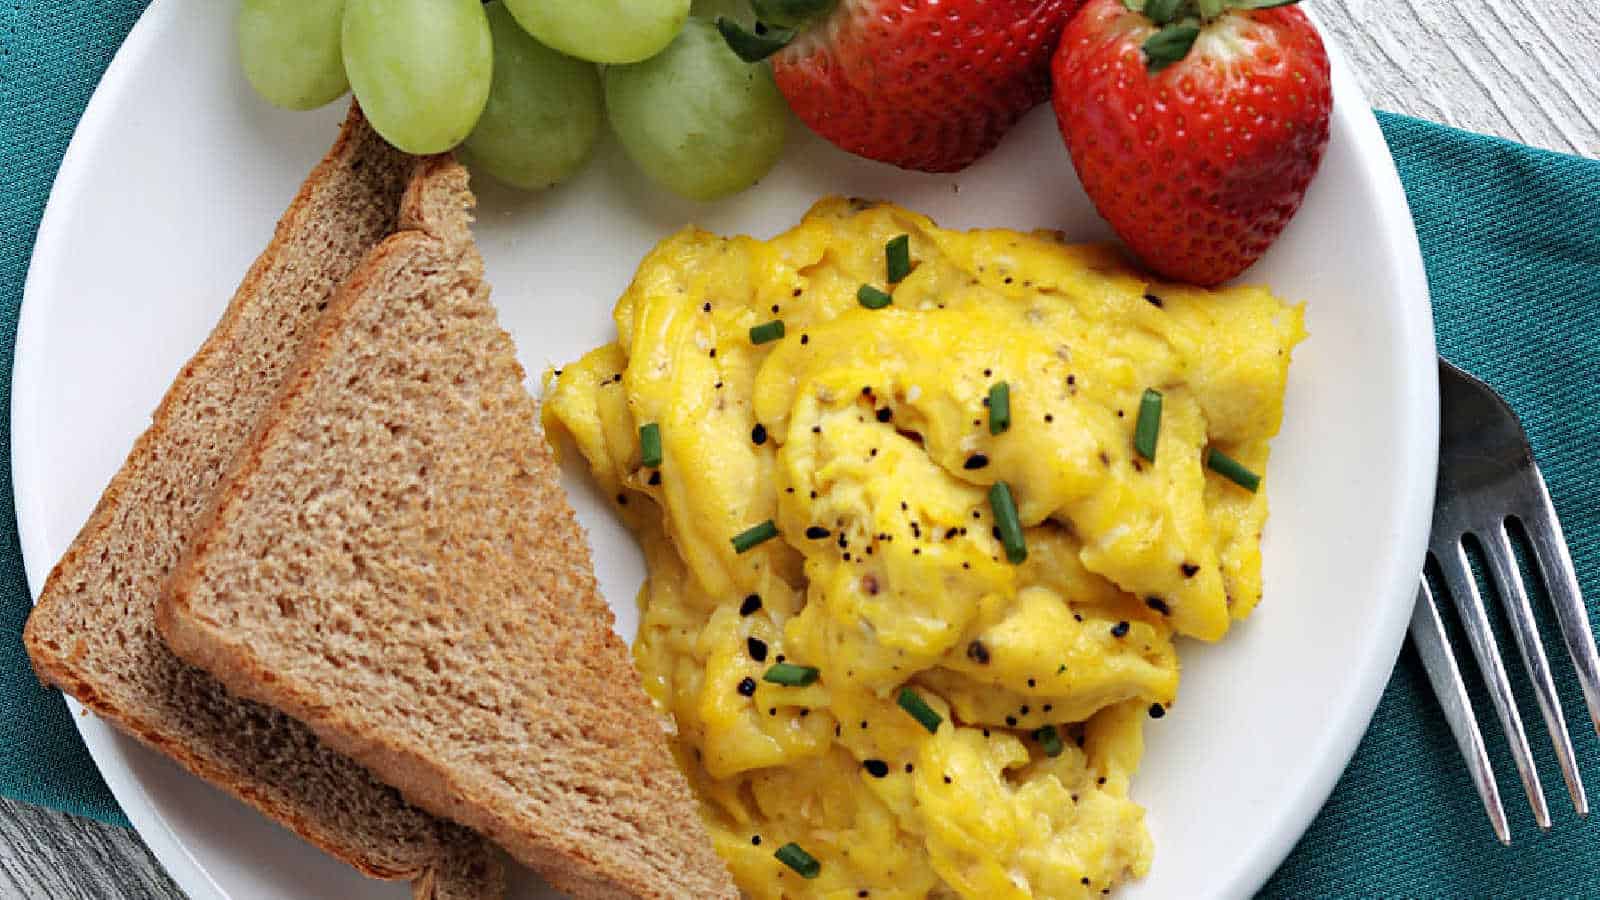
(1561, 580)
(1427, 632)
(1503, 565)
(1463, 590)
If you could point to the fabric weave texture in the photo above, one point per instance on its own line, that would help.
(1511, 238)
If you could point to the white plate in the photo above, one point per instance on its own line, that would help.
(178, 173)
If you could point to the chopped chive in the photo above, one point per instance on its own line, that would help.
(767, 332)
(899, 253)
(1148, 427)
(1050, 740)
(1004, 507)
(920, 710)
(872, 298)
(1231, 469)
(750, 537)
(791, 675)
(999, 407)
(650, 445)
(793, 856)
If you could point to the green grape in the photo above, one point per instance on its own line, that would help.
(290, 50)
(421, 68)
(603, 31)
(696, 118)
(544, 114)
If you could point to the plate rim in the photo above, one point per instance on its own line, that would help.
(1421, 394)
(107, 746)
(101, 738)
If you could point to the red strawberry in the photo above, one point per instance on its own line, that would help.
(1195, 133)
(922, 84)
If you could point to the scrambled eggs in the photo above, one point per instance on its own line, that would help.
(961, 725)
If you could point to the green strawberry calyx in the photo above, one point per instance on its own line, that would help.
(1179, 23)
(777, 23)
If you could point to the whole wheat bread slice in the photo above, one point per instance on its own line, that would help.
(394, 563)
(93, 632)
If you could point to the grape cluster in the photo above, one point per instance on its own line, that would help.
(524, 87)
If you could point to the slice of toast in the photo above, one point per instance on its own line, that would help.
(93, 632)
(394, 563)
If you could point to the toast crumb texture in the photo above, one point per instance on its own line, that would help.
(394, 563)
(93, 632)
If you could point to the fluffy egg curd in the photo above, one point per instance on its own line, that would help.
(923, 512)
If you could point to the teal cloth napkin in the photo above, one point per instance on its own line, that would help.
(1511, 237)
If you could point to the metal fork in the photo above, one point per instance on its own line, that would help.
(1487, 478)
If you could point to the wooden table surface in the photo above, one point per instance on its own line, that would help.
(1521, 69)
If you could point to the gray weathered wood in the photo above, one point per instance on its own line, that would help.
(1521, 69)
(46, 854)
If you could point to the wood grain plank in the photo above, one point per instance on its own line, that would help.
(1520, 69)
(49, 854)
